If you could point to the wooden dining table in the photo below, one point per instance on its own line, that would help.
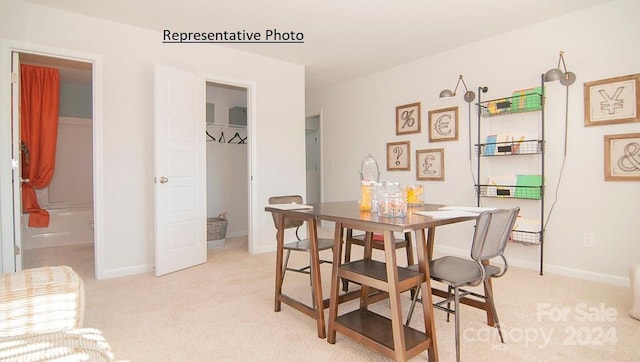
(378, 279)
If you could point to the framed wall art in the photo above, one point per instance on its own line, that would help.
(613, 100)
(430, 165)
(622, 157)
(408, 119)
(398, 156)
(443, 124)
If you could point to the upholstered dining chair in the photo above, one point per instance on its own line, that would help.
(377, 243)
(301, 244)
(492, 232)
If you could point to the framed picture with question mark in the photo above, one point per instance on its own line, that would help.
(398, 156)
(443, 124)
(408, 119)
(430, 165)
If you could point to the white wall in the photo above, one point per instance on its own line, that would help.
(128, 57)
(600, 42)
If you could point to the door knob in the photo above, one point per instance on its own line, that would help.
(163, 180)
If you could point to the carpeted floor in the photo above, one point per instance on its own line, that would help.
(223, 311)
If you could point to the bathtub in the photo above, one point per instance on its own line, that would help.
(66, 227)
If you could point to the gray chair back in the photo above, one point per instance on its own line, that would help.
(288, 223)
(492, 232)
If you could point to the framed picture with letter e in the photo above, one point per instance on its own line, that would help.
(430, 165)
(443, 124)
(398, 156)
(611, 101)
(622, 157)
(408, 119)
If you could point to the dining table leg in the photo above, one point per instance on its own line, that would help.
(399, 342)
(424, 248)
(318, 303)
(368, 253)
(487, 307)
(335, 280)
(279, 251)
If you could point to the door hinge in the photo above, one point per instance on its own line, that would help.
(14, 78)
(16, 250)
(14, 163)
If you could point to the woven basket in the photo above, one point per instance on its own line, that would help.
(216, 230)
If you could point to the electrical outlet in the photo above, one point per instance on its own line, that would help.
(588, 240)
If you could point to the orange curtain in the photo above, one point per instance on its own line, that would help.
(39, 104)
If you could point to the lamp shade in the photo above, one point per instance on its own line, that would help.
(469, 96)
(552, 74)
(568, 78)
(447, 93)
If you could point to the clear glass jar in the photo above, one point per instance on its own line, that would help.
(376, 189)
(414, 194)
(365, 196)
(392, 202)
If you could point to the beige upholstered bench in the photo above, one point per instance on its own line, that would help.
(41, 318)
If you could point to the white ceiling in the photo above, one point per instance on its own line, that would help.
(343, 39)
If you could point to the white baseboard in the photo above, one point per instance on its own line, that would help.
(588, 275)
(548, 268)
(123, 272)
(265, 249)
(236, 234)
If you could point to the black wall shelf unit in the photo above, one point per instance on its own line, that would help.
(527, 183)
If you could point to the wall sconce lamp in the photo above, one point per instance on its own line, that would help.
(469, 96)
(566, 78)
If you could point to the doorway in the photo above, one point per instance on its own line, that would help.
(313, 143)
(228, 157)
(181, 154)
(69, 238)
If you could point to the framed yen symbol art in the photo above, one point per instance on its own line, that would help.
(443, 124)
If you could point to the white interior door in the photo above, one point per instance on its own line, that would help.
(180, 170)
(16, 160)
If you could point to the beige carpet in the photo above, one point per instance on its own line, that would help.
(223, 311)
